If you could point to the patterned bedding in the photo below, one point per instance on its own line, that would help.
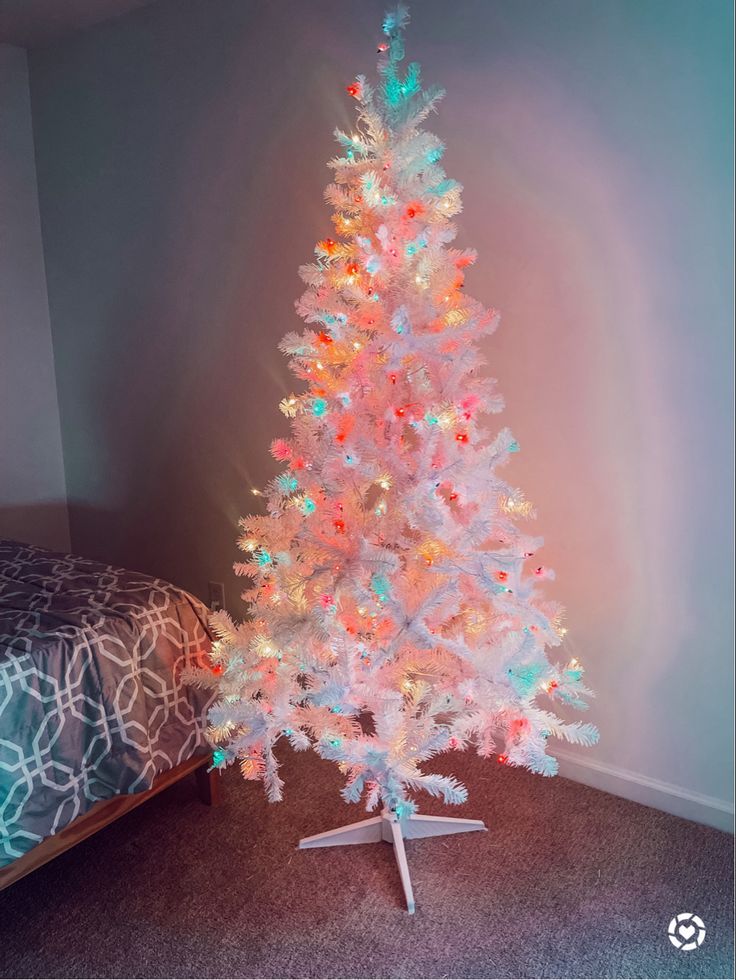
(91, 702)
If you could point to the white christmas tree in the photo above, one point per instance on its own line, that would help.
(393, 616)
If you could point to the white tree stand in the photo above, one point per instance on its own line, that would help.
(388, 827)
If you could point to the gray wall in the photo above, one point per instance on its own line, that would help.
(181, 157)
(32, 490)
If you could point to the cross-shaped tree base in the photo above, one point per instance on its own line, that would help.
(394, 830)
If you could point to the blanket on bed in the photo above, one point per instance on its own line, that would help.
(91, 701)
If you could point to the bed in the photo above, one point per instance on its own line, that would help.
(94, 718)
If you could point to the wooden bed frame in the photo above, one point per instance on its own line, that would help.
(106, 811)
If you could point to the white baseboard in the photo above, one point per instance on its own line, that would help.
(651, 792)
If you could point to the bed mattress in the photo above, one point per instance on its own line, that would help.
(91, 698)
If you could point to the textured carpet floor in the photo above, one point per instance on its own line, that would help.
(569, 882)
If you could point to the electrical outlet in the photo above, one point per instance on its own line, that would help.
(217, 596)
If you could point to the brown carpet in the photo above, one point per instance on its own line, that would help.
(569, 882)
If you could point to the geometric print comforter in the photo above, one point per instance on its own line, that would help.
(91, 699)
